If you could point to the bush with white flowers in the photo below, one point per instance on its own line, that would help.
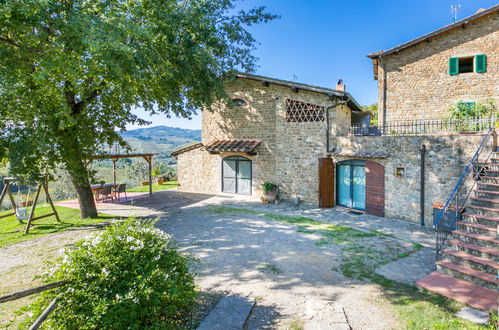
(130, 276)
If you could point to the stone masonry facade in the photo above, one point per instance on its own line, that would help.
(445, 159)
(415, 83)
(289, 151)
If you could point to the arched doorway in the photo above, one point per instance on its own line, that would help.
(236, 175)
(360, 184)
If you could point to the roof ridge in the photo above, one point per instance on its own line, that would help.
(448, 27)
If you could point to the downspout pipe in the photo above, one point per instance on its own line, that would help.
(332, 106)
(422, 151)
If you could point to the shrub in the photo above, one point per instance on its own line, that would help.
(463, 110)
(268, 186)
(130, 276)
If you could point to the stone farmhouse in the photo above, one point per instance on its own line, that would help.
(421, 78)
(317, 145)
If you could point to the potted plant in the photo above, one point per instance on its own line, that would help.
(157, 174)
(270, 191)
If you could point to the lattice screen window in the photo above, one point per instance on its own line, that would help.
(298, 112)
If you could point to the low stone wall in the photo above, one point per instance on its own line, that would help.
(446, 158)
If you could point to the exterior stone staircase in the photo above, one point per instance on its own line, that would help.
(468, 271)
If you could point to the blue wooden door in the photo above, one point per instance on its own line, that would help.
(351, 185)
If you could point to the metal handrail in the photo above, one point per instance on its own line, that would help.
(425, 127)
(450, 213)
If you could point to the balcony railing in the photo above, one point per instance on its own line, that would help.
(426, 127)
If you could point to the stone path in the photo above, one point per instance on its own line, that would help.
(411, 269)
(230, 313)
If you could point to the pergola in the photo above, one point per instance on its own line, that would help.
(116, 157)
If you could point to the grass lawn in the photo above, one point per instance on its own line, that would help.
(155, 187)
(11, 231)
(362, 252)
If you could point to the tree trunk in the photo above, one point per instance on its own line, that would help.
(79, 175)
(84, 193)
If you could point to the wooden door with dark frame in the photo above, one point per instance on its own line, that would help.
(375, 188)
(326, 182)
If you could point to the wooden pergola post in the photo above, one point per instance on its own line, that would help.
(114, 169)
(149, 162)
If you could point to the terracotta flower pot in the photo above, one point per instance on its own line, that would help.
(160, 181)
(270, 196)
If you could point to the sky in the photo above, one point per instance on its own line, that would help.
(318, 42)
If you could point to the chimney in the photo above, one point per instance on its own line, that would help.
(340, 86)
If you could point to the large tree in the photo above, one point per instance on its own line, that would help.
(72, 71)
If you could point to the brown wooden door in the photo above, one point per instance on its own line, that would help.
(326, 182)
(375, 189)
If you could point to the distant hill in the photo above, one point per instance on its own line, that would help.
(161, 140)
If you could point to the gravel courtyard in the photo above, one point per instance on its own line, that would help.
(279, 255)
(288, 268)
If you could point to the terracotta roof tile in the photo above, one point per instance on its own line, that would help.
(233, 145)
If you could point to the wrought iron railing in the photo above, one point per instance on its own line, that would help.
(425, 127)
(450, 214)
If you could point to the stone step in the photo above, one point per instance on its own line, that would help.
(483, 219)
(491, 178)
(478, 228)
(478, 250)
(485, 210)
(485, 200)
(466, 259)
(490, 192)
(495, 185)
(469, 274)
(230, 313)
(477, 239)
(463, 291)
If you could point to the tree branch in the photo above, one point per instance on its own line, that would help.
(10, 42)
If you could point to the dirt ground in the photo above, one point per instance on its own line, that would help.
(281, 266)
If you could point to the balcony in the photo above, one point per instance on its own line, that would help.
(449, 126)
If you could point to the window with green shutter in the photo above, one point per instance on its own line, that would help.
(453, 66)
(481, 63)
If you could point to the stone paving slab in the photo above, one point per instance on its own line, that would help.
(325, 315)
(411, 269)
(473, 315)
(230, 313)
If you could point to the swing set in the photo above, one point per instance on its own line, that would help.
(20, 209)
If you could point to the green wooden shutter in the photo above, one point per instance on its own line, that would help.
(481, 63)
(453, 66)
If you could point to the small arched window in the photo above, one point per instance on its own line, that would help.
(239, 102)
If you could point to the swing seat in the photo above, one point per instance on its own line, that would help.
(22, 214)
(25, 204)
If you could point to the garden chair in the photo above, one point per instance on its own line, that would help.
(106, 191)
(120, 189)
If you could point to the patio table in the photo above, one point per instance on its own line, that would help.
(96, 188)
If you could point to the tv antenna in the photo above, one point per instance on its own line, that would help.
(454, 9)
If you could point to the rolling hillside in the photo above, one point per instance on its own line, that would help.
(161, 140)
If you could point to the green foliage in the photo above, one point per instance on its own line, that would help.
(128, 277)
(71, 72)
(268, 187)
(155, 187)
(373, 110)
(157, 171)
(465, 110)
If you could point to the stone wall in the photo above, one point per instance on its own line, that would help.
(446, 157)
(417, 81)
(198, 171)
(289, 152)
